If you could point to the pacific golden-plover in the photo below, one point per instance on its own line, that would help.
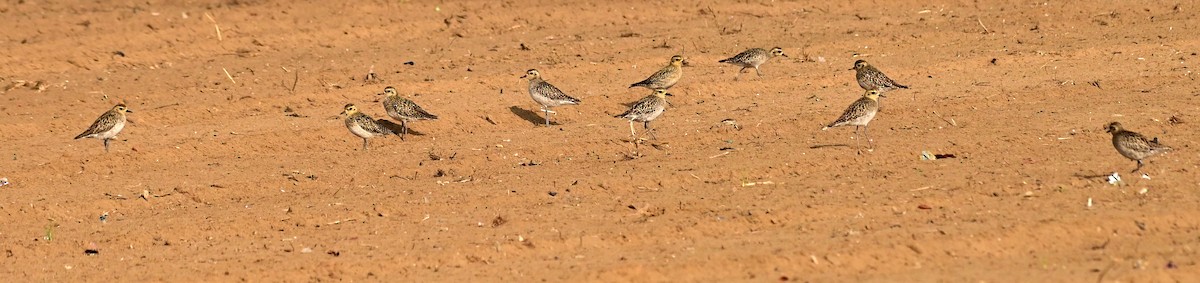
(402, 109)
(1133, 145)
(645, 110)
(666, 77)
(108, 125)
(362, 125)
(870, 78)
(859, 114)
(546, 94)
(753, 58)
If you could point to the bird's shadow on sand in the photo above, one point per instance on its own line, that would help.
(1092, 175)
(820, 146)
(396, 128)
(530, 116)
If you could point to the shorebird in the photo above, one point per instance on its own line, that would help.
(108, 125)
(753, 58)
(645, 110)
(362, 125)
(859, 114)
(402, 109)
(870, 78)
(546, 94)
(1133, 145)
(664, 78)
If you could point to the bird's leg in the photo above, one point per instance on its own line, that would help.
(757, 71)
(739, 73)
(1139, 167)
(858, 133)
(632, 134)
(870, 142)
(365, 144)
(866, 134)
(106, 145)
(649, 130)
(547, 111)
(403, 128)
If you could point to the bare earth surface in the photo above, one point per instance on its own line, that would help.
(253, 176)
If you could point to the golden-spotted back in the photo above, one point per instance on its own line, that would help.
(108, 125)
(870, 78)
(546, 94)
(753, 58)
(666, 77)
(1133, 145)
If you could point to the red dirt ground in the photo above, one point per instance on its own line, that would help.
(254, 177)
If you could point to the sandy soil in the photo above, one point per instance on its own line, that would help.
(252, 176)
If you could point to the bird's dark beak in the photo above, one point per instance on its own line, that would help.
(668, 94)
(687, 63)
(128, 110)
(524, 76)
(851, 68)
(881, 95)
(784, 55)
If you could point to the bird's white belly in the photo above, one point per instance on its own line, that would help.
(652, 115)
(359, 131)
(862, 121)
(111, 133)
(544, 101)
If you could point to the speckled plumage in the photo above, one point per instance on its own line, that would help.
(1133, 145)
(645, 110)
(870, 78)
(108, 125)
(404, 110)
(362, 125)
(753, 58)
(859, 114)
(546, 94)
(664, 78)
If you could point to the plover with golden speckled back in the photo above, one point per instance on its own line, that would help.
(108, 125)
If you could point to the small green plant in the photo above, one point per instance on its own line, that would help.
(50, 231)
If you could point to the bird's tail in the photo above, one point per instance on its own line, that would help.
(426, 115)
